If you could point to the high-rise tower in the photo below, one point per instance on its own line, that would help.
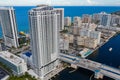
(44, 28)
(8, 23)
(61, 12)
(105, 19)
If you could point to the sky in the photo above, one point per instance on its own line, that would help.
(60, 2)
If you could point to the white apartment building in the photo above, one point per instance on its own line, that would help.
(89, 26)
(67, 21)
(44, 28)
(86, 18)
(96, 17)
(105, 19)
(91, 34)
(77, 21)
(87, 42)
(9, 28)
(75, 30)
(15, 63)
(115, 20)
(64, 44)
(70, 37)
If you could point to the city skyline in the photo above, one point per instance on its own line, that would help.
(57, 42)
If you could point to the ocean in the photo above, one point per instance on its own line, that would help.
(22, 13)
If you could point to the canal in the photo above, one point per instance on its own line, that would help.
(105, 56)
(102, 55)
(79, 74)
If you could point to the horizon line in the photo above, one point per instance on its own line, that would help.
(67, 5)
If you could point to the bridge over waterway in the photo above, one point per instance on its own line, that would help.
(99, 69)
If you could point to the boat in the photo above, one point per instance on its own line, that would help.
(110, 49)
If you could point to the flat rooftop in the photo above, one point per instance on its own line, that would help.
(28, 54)
(6, 8)
(11, 57)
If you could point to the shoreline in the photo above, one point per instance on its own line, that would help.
(102, 44)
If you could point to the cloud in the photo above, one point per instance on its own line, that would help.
(20, 2)
(91, 2)
(34, 2)
(60, 2)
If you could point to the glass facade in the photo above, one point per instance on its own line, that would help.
(14, 68)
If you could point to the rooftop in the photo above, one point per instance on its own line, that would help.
(104, 13)
(42, 8)
(28, 54)
(6, 8)
(41, 5)
(11, 57)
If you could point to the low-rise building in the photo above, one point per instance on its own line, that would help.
(15, 63)
(67, 21)
(69, 37)
(27, 56)
(91, 34)
(77, 21)
(95, 35)
(87, 42)
(84, 32)
(89, 26)
(86, 18)
(81, 40)
(91, 43)
(96, 18)
(85, 52)
(64, 44)
(75, 30)
(92, 27)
